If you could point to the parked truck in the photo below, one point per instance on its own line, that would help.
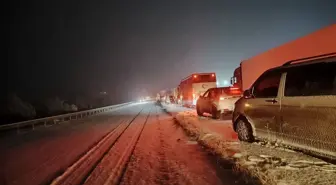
(191, 87)
(317, 43)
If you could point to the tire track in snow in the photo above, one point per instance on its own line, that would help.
(49, 152)
(112, 167)
(131, 172)
(81, 169)
(63, 153)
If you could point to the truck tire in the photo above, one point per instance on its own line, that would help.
(244, 131)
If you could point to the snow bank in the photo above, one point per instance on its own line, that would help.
(272, 165)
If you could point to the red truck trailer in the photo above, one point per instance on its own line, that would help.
(317, 43)
(191, 87)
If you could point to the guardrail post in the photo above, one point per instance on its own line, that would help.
(45, 123)
(33, 126)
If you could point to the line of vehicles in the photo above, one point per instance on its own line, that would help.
(286, 94)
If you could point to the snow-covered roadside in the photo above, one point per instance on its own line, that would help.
(271, 164)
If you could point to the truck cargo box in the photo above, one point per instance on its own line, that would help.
(317, 43)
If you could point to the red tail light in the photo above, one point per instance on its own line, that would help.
(235, 90)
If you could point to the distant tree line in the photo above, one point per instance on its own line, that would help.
(14, 109)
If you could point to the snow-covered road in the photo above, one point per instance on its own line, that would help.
(37, 157)
(137, 144)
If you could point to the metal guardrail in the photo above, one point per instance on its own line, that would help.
(59, 118)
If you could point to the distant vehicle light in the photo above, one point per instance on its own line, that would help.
(221, 98)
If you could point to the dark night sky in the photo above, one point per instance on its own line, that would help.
(61, 47)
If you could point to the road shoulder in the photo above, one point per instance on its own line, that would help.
(269, 163)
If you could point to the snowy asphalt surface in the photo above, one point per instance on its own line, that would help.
(136, 144)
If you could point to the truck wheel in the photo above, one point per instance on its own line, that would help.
(215, 113)
(244, 131)
(198, 110)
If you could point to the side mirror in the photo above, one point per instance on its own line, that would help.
(247, 94)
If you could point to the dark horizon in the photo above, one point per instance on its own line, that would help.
(67, 48)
